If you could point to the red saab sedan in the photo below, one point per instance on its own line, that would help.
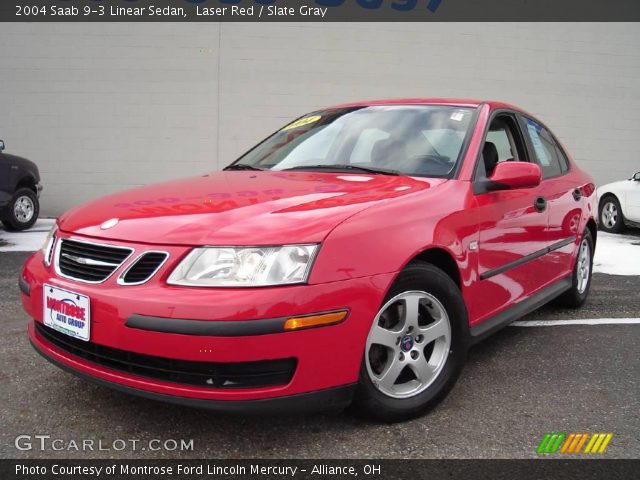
(350, 258)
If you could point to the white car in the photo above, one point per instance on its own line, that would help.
(619, 204)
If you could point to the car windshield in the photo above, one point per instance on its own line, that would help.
(414, 140)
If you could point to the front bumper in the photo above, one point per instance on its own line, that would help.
(327, 358)
(329, 399)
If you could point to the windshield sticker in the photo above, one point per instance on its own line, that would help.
(302, 122)
(457, 116)
(541, 152)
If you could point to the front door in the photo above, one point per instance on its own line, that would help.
(512, 227)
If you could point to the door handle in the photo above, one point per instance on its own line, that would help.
(540, 204)
(577, 194)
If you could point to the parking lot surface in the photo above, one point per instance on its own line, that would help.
(518, 385)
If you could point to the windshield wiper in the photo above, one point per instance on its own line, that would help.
(241, 166)
(344, 166)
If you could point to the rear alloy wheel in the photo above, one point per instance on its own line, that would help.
(416, 346)
(582, 273)
(22, 211)
(611, 219)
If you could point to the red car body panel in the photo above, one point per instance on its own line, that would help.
(111, 305)
(370, 227)
(230, 207)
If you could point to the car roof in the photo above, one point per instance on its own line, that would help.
(455, 102)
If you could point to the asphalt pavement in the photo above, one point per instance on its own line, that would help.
(518, 385)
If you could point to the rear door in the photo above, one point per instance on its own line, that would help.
(561, 194)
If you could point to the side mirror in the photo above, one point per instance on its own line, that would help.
(509, 175)
(1, 145)
(636, 177)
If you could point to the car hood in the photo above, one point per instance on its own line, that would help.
(238, 208)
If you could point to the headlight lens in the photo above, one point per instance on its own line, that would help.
(47, 246)
(245, 266)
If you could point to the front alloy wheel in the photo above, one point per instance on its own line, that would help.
(23, 209)
(416, 346)
(22, 212)
(408, 344)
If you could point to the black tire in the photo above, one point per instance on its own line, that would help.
(610, 201)
(15, 222)
(372, 402)
(575, 298)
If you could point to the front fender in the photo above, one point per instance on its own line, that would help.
(385, 237)
(616, 192)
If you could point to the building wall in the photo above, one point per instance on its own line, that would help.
(103, 107)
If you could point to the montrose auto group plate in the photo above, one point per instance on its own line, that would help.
(67, 312)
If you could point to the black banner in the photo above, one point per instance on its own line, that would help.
(317, 10)
(318, 469)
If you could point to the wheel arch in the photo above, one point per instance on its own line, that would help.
(27, 181)
(609, 193)
(602, 197)
(441, 258)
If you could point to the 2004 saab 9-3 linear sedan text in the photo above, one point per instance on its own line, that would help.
(350, 258)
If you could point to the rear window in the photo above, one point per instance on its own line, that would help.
(547, 153)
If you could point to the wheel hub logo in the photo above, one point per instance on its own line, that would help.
(406, 343)
(574, 443)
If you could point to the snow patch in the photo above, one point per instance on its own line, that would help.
(28, 240)
(617, 254)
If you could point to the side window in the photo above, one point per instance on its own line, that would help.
(503, 144)
(500, 138)
(547, 154)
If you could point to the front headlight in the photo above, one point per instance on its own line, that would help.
(245, 266)
(47, 246)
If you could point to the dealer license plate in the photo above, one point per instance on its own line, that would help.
(67, 312)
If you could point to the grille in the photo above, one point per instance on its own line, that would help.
(264, 373)
(143, 268)
(89, 262)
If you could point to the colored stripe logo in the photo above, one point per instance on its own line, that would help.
(574, 443)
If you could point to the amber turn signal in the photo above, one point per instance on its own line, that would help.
(320, 320)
